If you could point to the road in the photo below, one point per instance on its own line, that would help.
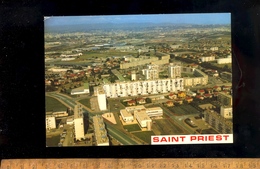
(123, 138)
(179, 120)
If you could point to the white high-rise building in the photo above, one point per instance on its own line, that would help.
(100, 131)
(133, 75)
(174, 71)
(102, 102)
(78, 122)
(152, 72)
(79, 128)
(50, 122)
(226, 112)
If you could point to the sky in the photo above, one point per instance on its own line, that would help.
(214, 18)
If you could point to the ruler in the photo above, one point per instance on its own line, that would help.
(146, 163)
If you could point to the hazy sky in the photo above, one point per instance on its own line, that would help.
(214, 18)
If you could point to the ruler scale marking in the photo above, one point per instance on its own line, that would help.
(147, 163)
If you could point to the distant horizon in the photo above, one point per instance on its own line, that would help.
(195, 19)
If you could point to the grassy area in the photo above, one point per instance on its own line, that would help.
(187, 75)
(85, 102)
(93, 54)
(145, 136)
(222, 65)
(133, 127)
(183, 110)
(54, 105)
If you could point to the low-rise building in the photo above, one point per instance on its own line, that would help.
(126, 116)
(142, 118)
(80, 90)
(154, 112)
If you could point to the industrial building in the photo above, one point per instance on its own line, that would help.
(100, 131)
(78, 122)
(124, 89)
(80, 90)
(218, 122)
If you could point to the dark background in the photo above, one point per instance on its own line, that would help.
(22, 99)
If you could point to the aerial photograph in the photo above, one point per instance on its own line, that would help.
(118, 80)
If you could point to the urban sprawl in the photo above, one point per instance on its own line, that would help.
(120, 87)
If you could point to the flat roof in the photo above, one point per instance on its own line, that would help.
(154, 109)
(142, 115)
(125, 113)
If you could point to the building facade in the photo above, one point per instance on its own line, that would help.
(224, 99)
(102, 101)
(226, 112)
(218, 122)
(124, 89)
(50, 122)
(174, 71)
(78, 122)
(126, 116)
(142, 118)
(207, 58)
(151, 73)
(100, 131)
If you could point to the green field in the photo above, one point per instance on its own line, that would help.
(54, 105)
(145, 136)
(85, 102)
(94, 54)
(187, 75)
(183, 110)
(133, 127)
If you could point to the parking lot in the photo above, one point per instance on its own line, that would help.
(183, 110)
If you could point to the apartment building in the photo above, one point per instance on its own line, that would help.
(224, 99)
(218, 122)
(174, 71)
(207, 58)
(78, 122)
(102, 101)
(226, 112)
(124, 89)
(151, 73)
(100, 131)
(50, 122)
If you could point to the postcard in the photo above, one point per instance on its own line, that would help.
(117, 80)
